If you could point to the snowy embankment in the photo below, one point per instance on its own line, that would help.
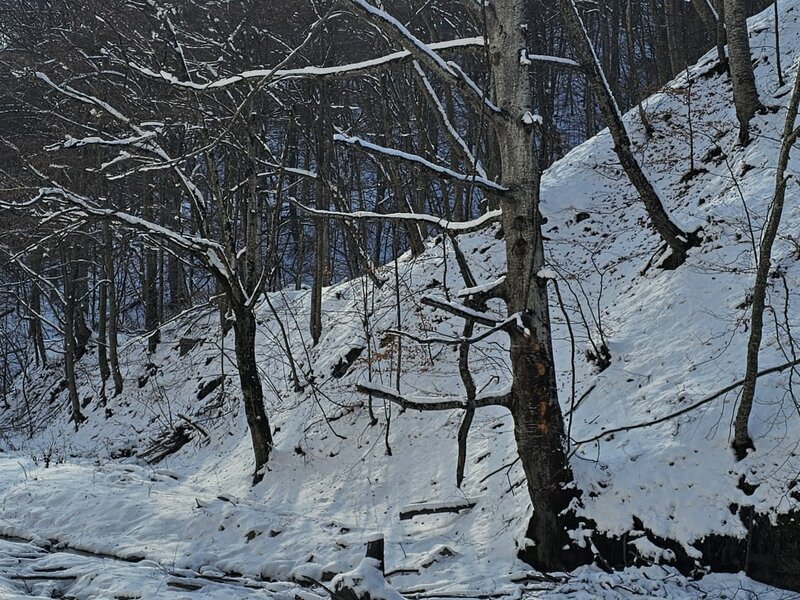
(675, 338)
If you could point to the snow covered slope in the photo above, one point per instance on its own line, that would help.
(675, 338)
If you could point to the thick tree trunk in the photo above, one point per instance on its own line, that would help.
(538, 421)
(244, 329)
(745, 94)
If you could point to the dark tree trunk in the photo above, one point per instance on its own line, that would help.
(36, 332)
(70, 308)
(149, 284)
(113, 316)
(244, 328)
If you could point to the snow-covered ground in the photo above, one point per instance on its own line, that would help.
(675, 337)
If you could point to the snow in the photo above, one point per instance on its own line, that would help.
(675, 338)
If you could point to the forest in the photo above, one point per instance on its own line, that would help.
(410, 299)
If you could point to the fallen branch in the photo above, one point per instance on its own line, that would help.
(688, 409)
(423, 404)
(414, 510)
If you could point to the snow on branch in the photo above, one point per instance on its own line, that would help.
(452, 227)
(484, 289)
(459, 310)
(434, 404)
(211, 253)
(424, 53)
(457, 341)
(458, 143)
(526, 58)
(310, 72)
(416, 159)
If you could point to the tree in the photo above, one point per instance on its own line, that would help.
(533, 398)
(678, 241)
(742, 442)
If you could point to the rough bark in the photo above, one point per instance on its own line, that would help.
(111, 290)
(711, 20)
(149, 285)
(67, 271)
(745, 93)
(35, 331)
(538, 421)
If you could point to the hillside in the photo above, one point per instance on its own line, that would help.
(674, 337)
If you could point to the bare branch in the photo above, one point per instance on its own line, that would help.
(439, 170)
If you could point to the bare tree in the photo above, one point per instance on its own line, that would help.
(742, 442)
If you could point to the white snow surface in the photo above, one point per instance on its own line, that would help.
(674, 337)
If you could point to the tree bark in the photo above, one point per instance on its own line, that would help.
(244, 328)
(70, 308)
(113, 314)
(149, 285)
(538, 421)
(745, 94)
(36, 332)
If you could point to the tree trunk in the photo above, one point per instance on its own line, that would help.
(711, 20)
(677, 240)
(109, 275)
(745, 94)
(102, 339)
(660, 43)
(741, 440)
(67, 271)
(36, 332)
(538, 421)
(244, 328)
(149, 286)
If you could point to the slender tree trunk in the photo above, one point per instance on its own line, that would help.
(36, 332)
(660, 43)
(324, 135)
(677, 240)
(149, 284)
(70, 308)
(113, 314)
(742, 441)
(711, 20)
(745, 94)
(538, 421)
(676, 38)
(102, 339)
